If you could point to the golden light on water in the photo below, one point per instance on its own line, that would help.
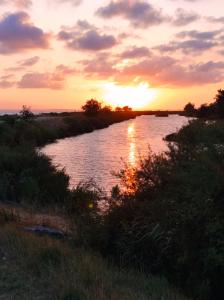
(132, 154)
(137, 97)
(131, 130)
(130, 169)
(132, 145)
(129, 182)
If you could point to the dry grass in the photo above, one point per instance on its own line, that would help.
(40, 268)
(27, 216)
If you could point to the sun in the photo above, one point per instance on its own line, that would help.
(137, 97)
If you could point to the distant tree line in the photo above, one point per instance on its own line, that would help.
(213, 110)
(92, 107)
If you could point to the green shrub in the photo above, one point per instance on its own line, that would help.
(173, 223)
(28, 176)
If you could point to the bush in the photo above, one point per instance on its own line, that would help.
(173, 223)
(214, 110)
(28, 176)
(26, 113)
(85, 207)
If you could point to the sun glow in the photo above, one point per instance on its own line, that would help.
(138, 96)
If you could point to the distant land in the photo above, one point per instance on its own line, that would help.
(35, 111)
(46, 111)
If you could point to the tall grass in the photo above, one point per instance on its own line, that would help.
(43, 268)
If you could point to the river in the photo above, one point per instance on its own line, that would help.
(98, 154)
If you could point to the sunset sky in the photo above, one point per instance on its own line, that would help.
(158, 54)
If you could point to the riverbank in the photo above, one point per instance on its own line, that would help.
(78, 123)
(62, 125)
(46, 128)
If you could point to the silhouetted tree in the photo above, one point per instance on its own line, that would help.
(203, 111)
(218, 106)
(118, 109)
(92, 107)
(127, 108)
(26, 113)
(189, 109)
(213, 110)
(106, 109)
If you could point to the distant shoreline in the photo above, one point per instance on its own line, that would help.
(48, 127)
(35, 111)
(61, 111)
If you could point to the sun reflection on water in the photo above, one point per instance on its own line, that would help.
(132, 145)
(129, 175)
(131, 130)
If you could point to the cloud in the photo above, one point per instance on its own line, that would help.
(189, 46)
(143, 14)
(205, 35)
(21, 4)
(157, 70)
(39, 80)
(135, 52)
(5, 82)
(139, 13)
(55, 80)
(85, 36)
(92, 40)
(29, 61)
(22, 64)
(17, 34)
(101, 66)
(73, 2)
(184, 17)
(84, 25)
(215, 19)
(192, 42)
(165, 71)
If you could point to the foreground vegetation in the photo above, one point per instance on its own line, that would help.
(168, 220)
(38, 267)
(214, 110)
(172, 223)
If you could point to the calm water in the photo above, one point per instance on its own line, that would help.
(95, 155)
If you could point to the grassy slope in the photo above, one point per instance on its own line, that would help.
(34, 267)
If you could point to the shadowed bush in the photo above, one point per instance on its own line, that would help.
(28, 176)
(173, 223)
